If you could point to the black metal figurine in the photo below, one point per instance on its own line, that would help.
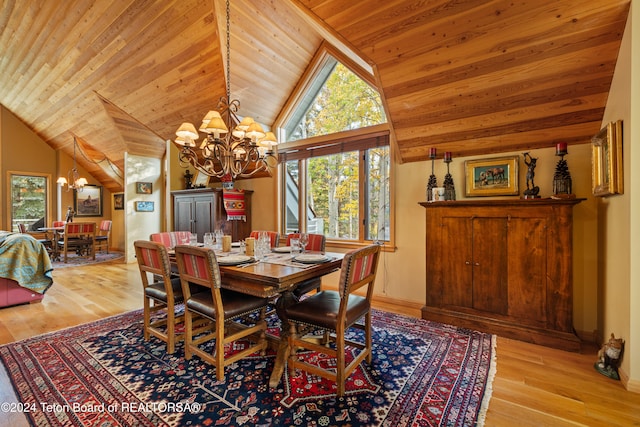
(532, 190)
(187, 180)
(70, 214)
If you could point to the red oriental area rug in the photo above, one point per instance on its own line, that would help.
(104, 373)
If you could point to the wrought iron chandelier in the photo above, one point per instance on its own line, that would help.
(243, 152)
(73, 180)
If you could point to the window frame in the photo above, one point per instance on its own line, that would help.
(48, 197)
(354, 140)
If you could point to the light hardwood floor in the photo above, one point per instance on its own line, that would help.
(533, 386)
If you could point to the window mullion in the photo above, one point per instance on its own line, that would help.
(363, 200)
(303, 197)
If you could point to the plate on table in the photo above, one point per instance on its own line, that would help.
(282, 249)
(311, 258)
(234, 259)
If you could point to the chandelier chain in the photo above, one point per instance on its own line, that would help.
(228, 50)
(232, 148)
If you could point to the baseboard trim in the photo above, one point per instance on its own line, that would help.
(630, 385)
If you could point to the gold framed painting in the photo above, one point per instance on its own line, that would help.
(200, 180)
(492, 177)
(88, 201)
(606, 161)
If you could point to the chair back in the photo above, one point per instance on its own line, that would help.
(358, 270)
(79, 229)
(274, 236)
(170, 238)
(199, 266)
(22, 228)
(316, 242)
(153, 258)
(79, 235)
(105, 227)
(58, 224)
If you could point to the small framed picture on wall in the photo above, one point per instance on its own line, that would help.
(144, 187)
(118, 201)
(144, 206)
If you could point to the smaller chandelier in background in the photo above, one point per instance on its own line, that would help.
(73, 180)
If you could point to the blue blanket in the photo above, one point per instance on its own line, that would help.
(25, 260)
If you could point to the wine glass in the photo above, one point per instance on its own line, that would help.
(304, 240)
(208, 239)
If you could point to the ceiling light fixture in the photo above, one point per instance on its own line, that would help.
(73, 180)
(243, 152)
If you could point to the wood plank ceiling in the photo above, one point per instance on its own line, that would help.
(471, 77)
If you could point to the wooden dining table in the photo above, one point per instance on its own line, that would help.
(276, 276)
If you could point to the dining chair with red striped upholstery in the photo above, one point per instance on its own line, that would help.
(161, 292)
(199, 266)
(336, 312)
(103, 235)
(316, 243)
(79, 236)
(171, 238)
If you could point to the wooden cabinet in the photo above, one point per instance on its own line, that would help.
(202, 210)
(502, 266)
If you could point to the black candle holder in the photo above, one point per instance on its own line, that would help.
(433, 181)
(449, 189)
(562, 178)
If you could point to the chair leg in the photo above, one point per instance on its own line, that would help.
(147, 318)
(171, 328)
(367, 334)
(219, 349)
(340, 348)
(262, 341)
(188, 333)
(293, 350)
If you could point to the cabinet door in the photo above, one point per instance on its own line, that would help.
(528, 270)
(183, 214)
(490, 278)
(454, 269)
(203, 206)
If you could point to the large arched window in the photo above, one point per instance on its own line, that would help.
(336, 162)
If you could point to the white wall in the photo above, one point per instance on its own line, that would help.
(139, 225)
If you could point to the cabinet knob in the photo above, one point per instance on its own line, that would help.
(467, 262)
(477, 263)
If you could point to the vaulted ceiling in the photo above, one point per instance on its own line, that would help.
(471, 77)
